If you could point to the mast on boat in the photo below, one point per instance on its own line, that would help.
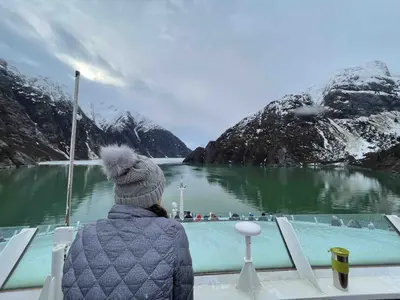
(72, 150)
(181, 188)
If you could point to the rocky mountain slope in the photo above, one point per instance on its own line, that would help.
(35, 125)
(357, 112)
(385, 160)
(141, 133)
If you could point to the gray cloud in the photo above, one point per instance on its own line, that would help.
(14, 20)
(70, 44)
(199, 66)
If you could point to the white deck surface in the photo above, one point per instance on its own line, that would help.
(364, 283)
(287, 285)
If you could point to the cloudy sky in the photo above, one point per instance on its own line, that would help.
(196, 66)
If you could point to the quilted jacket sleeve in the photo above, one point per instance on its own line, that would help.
(183, 273)
(69, 285)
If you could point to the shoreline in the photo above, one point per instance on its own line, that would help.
(90, 162)
(179, 160)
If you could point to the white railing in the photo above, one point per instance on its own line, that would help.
(63, 237)
(296, 252)
(13, 251)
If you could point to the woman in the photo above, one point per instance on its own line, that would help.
(137, 252)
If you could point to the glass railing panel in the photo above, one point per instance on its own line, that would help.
(370, 239)
(46, 229)
(36, 257)
(35, 264)
(289, 217)
(320, 218)
(305, 218)
(6, 233)
(378, 220)
(49, 229)
(217, 247)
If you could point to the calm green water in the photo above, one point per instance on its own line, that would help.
(32, 196)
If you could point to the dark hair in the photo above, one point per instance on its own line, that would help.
(158, 210)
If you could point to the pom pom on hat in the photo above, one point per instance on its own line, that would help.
(138, 180)
(117, 159)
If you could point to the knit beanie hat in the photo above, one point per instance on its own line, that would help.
(138, 181)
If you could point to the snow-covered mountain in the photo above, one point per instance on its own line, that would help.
(35, 122)
(138, 131)
(35, 125)
(113, 117)
(357, 112)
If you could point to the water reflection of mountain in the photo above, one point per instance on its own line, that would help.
(391, 192)
(200, 172)
(32, 195)
(359, 191)
(305, 190)
(171, 172)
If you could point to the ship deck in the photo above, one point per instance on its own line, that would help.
(279, 256)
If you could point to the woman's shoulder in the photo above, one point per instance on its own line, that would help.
(169, 222)
(170, 226)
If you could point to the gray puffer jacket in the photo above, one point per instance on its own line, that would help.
(131, 255)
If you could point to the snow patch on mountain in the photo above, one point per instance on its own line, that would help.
(317, 94)
(369, 77)
(366, 70)
(143, 123)
(244, 123)
(358, 136)
(39, 86)
(117, 119)
(344, 141)
(91, 154)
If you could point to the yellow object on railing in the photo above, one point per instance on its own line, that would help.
(340, 267)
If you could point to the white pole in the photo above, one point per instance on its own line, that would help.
(57, 263)
(248, 248)
(181, 205)
(181, 188)
(72, 149)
